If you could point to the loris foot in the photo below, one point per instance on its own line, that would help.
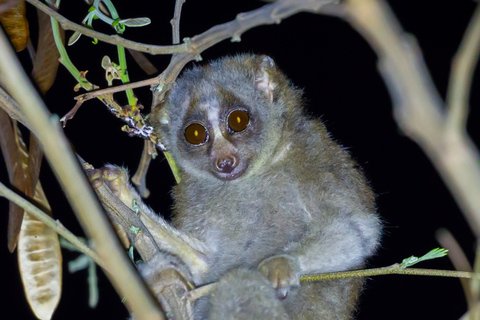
(116, 179)
(168, 278)
(282, 272)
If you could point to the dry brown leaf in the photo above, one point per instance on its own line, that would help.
(40, 262)
(143, 62)
(15, 23)
(13, 161)
(34, 162)
(46, 61)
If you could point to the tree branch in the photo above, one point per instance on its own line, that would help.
(115, 39)
(79, 193)
(175, 22)
(418, 108)
(268, 14)
(463, 67)
(393, 269)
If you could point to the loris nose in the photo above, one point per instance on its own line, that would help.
(226, 164)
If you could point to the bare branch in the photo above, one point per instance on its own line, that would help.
(139, 179)
(463, 68)
(418, 108)
(93, 94)
(458, 259)
(79, 193)
(47, 220)
(268, 14)
(175, 22)
(115, 39)
(121, 213)
(12, 108)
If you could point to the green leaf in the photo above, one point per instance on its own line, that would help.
(432, 254)
(134, 229)
(115, 22)
(79, 263)
(130, 253)
(74, 38)
(136, 22)
(135, 206)
(106, 62)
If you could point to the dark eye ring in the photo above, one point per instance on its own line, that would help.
(196, 134)
(238, 120)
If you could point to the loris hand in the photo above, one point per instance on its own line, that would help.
(282, 272)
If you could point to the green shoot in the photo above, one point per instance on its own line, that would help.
(432, 254)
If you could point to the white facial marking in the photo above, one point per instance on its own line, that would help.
(212, 113)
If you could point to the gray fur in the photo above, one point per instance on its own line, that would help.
(301, 195)
(250, 296)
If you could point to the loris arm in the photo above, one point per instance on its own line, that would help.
(340, 241)
(190, 250)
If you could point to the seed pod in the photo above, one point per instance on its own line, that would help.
(40, 262)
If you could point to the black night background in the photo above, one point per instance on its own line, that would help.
(337, 70)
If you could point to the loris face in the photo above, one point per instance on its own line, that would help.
(216, 131)
(223, 121)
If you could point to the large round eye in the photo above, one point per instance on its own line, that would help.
(196, 133)
(238, 120)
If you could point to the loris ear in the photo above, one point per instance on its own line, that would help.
(264, 77)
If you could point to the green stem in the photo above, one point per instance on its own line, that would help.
(173, 166)
(394, 269)
(64, 58)
(124, 76)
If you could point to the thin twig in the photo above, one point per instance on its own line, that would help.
(48, 221)
(463, 68)
(79, 193)
(93, 94)
(268, 14)
(393, 269)
(175, 22)
(12, 108)
(139, 179)
(115, 39)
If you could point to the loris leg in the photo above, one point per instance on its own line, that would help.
(324, 300)
(244, 295)
(167, 275)
(190, 250)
